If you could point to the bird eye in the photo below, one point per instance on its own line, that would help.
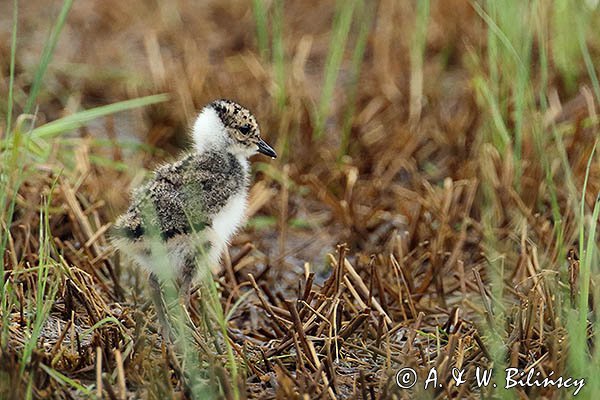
(244, 129)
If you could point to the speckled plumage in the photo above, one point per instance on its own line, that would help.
(184, 196)
(195, 204)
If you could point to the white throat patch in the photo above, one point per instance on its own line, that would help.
(209, 131)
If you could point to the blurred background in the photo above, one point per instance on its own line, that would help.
(448, 144)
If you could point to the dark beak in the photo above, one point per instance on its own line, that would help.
(265, 149)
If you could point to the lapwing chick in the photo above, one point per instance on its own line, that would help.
(193, 206)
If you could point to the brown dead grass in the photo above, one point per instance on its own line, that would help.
(411, 285)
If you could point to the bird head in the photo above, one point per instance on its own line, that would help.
(226, 125)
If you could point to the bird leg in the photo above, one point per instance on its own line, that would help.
(161, 309)
(185, 279)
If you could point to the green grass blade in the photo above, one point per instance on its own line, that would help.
(417, 53)
(564, 53)
(539, 138)
(501, 135)
(582, 205)
(74, 121)
(47, 55)
(578, 343)
(495, 29)
(279, 54)
(102, 322)
(13, 52)
(582, 248)
(589, 64)
(337, 45)
(11, 178)
(259, 9)
(65, 380)
(366, 13)
(4, 174)
(46, 289)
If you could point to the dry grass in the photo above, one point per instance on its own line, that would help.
(451, 259)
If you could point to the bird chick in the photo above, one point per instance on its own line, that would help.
(194, 205)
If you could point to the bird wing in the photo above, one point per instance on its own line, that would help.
(182, 197)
